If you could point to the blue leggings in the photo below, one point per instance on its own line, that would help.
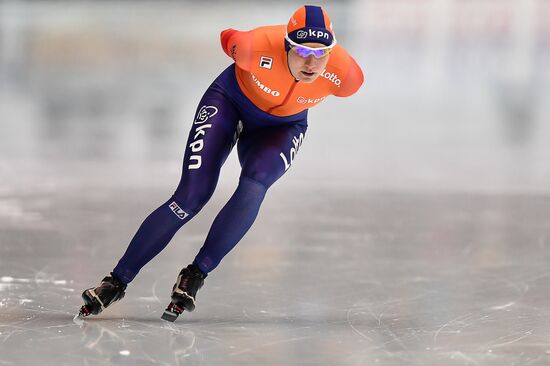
(266, 147)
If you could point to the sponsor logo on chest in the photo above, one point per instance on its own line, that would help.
(332, 77)
(304, 100)
(263, 87)
(266, 62)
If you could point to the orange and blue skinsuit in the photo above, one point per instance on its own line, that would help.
(264, 78)
(257, 102)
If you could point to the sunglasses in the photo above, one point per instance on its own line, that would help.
(305, 51)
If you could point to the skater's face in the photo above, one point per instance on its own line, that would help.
(307, 68)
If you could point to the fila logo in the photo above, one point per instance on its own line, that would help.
(178, 211)
(266, 62)
(302, 34)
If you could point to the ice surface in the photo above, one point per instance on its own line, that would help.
(347, 278)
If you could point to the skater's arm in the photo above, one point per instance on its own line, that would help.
(352, 81)
(238, 46)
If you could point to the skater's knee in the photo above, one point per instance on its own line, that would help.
(262, 178)
(193, 201)
(254, 188)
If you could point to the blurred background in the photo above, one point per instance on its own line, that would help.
(413, 225)
(455, 97)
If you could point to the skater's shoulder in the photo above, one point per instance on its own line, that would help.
(269, 36)
(271, 30)
(344, 72)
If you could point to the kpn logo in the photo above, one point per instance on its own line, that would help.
(303, 34)
(304, 100)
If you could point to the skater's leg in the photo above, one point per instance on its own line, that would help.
(265, 156)
(210, 141)
(231, 223)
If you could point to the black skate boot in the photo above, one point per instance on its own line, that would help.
(190, 280)
(110, 290)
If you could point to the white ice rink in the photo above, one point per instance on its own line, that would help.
(412, 229)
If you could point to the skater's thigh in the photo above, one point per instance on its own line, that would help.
(210, 141)
(267, 153)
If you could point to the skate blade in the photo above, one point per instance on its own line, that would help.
(78, 319)
(169, 316)
(171, 313)
(84, 312)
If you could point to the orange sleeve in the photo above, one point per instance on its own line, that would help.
(238, 46)
(353, 80)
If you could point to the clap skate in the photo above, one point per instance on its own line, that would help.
(189, 281)
(109, 291)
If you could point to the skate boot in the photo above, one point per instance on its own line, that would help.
(190, 280)
(110, 290)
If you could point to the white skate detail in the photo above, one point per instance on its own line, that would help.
(92, 292)
(94, 295)
(181, 292)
